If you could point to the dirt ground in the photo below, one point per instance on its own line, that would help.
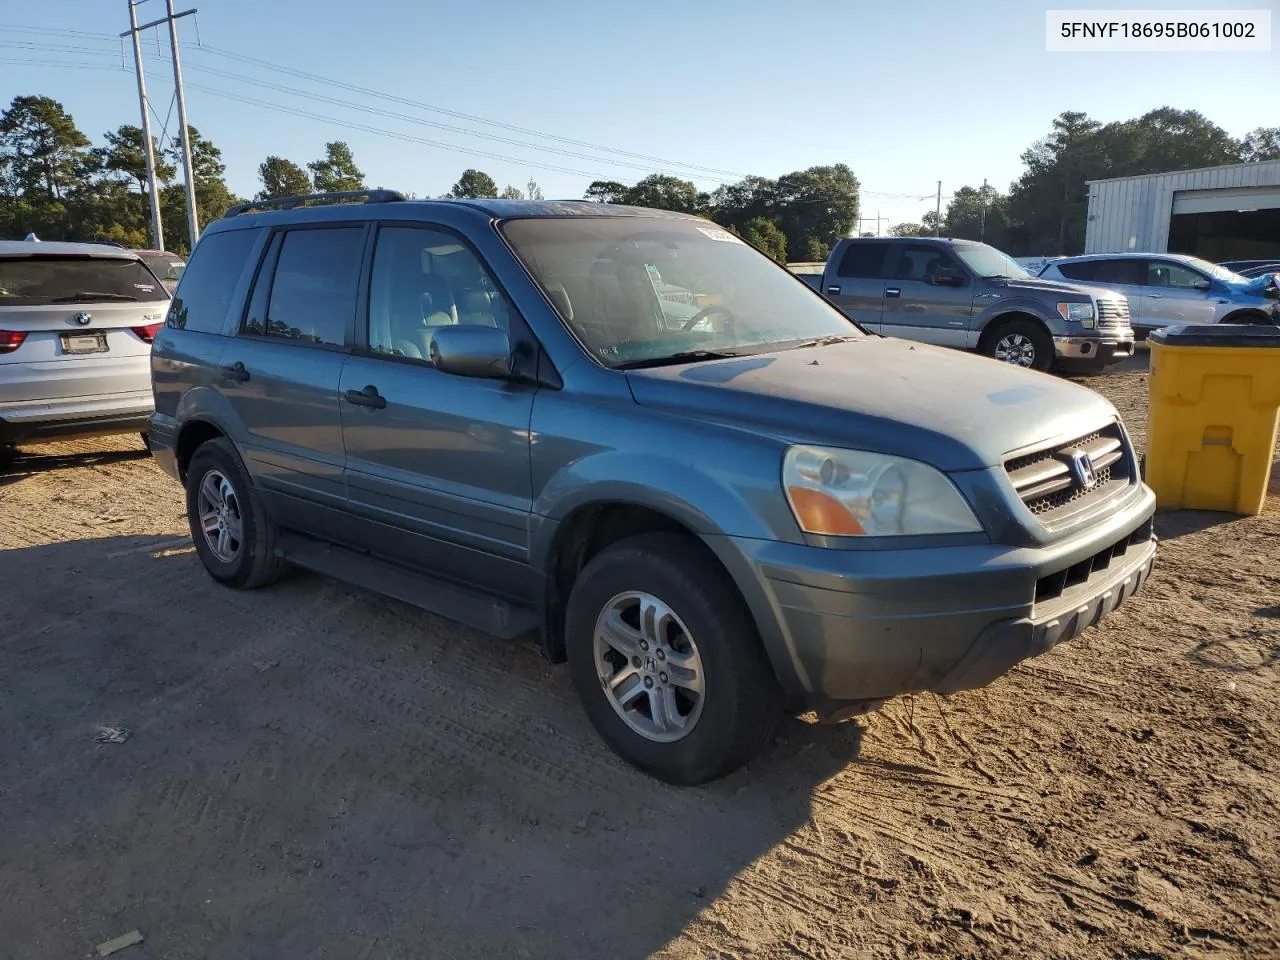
(313, 771)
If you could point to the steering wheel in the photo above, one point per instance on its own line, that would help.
(702, 314)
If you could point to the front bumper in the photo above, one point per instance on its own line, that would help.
(1098, 350)
(40, 420)
(855, 625)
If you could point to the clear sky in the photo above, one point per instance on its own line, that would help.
(906, 93)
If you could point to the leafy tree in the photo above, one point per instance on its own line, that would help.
(908, 230)
(1262, 144)
(964, 216)
(815, 208)
(511, 193)
(663, 192)
(765, 236)
(736, 204)
(533, 191)
(44, 149)
(337, 171)
(124, 154)
(473, 185)
(605, 191)
(282, 178)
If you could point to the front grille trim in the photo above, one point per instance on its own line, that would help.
(1048, 487)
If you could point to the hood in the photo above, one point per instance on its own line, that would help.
(950, 409)
(1044, 285)
(1267, 285)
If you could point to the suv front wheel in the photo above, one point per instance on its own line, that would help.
(233, 535)
(667, 660)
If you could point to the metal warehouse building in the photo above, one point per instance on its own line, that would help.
(1219, 213)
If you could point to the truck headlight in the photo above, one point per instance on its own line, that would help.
(844, 493)
(1081, 313)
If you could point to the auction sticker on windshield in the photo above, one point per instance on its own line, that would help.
(724, 236)
(1157, 31)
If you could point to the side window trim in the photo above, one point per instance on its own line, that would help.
(258, 303)
(523, 340)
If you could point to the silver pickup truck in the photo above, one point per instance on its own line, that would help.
(958, 293)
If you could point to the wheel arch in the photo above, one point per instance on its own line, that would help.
(191, 436)
(1246, 315)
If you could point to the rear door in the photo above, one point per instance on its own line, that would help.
(76, 326)
(918, 308)
(1124, 275)
(282, 370)
(438, 468)
(857, 286)
(1171, 296)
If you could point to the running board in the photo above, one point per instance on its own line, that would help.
(471, 607)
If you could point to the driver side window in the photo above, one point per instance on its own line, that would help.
(1162, 273)
(917, 263)
(424, 279)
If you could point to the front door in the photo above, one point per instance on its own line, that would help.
(917, 307)
(437, 464)
(281, 371)
(857, 287)
(1171, 295)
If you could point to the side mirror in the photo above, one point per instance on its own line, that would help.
(471, 351)
(949, 277)
(1203, 285)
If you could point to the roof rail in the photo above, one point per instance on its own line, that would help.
(288, 203)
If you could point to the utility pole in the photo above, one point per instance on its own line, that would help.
(877, 223)
(937, 213)
(982, 235)
(148, 148)
(134, 30)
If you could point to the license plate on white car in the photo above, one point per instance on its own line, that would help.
(84, 343)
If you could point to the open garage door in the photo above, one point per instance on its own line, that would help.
(1241, 223)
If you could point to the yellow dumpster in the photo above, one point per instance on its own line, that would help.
(1215, 404)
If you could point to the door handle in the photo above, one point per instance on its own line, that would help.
(236, 372)
(892, 291)
(1155, 296)
(833, 289)
(368, 397)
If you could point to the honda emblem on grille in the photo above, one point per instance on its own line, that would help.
(82, 319)
(1082, 467)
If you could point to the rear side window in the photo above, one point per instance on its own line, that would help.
(1085, 270)
(313, 291)
(1127, 271)
(210, 279)
(41, 280)
(864, 260)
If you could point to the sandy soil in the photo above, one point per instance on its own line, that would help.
(314, 771)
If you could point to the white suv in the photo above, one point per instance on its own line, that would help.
(76, 325)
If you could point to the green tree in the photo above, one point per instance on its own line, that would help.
(337, 171)
(765, 236)
(123, 154)
(282, 178)
(815, 208)
(473, 185)
(964, 216)
(663, 192)
(510, 193)
(908, 230)
(1262, 144)
(737, 204)
(605, 191)
(45, 151)
(212, 195)
(533, 191)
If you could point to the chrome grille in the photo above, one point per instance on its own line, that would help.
(1052, 488)
(1113, 313)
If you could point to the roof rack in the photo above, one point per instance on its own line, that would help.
(288, 203)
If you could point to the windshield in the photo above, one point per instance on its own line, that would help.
(1213, 270)
(38, 280)
(989, 262)
(638, 290)
(166, 266)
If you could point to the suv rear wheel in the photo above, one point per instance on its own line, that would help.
(233, 535)
(667, 660)
(1023, 343)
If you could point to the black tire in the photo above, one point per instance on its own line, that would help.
(742, 701)
(1031, 332)
(255, 563)
(1247, 316)
(146, 440)
(8, 453)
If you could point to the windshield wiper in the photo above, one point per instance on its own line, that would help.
(824, 341)
(684, 356)
(92, 296)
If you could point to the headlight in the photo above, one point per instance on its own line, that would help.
(851, 493)
(1081, 313)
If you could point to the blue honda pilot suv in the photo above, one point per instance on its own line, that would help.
(628, 434)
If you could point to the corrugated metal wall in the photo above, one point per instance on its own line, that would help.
(1132, 214)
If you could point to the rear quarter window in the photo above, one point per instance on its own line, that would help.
(1085, 270)
(210, 280)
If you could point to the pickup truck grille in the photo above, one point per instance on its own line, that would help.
(1055, 483)
(1113, 313)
